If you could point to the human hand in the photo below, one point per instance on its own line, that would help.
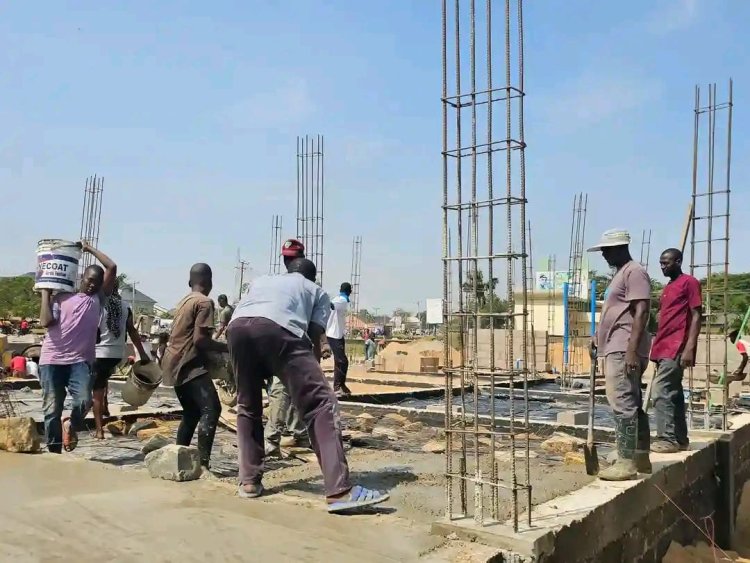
(593, 347)
(85, 246)
(687, 360)
(326, 352)
(632, 362)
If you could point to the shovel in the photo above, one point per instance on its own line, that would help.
(590, 456)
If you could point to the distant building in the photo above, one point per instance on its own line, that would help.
(141, 303)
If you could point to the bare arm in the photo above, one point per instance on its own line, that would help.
(203, 341)
(110, 268)
(317, 335)
(688, 354)
(46, 317)
(136, 338)
(640, 320)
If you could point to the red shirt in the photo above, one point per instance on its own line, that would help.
(18, 364)
(678, 299)
(24, 325)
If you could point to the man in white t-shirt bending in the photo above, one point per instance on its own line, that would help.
(336, 333)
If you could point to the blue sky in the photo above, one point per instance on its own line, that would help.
(190, 110)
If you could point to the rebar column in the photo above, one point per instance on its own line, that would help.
(274, 259)
(485, 345)
(91, 216)
(356, 265)
(310, 198)
(709, 257)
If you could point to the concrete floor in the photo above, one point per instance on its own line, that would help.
(65, 509)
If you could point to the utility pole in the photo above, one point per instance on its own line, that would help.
(241, 266)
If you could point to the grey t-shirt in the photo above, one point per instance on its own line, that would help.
(289, 300)
(630, 283)
(225, 315)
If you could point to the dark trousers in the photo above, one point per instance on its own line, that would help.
(200, 409)
(669, 402)
(261, 349)
(624, 395)
(340, 362)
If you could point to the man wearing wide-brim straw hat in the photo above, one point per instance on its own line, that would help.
(623, 342)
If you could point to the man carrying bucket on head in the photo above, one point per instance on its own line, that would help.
(68, 351)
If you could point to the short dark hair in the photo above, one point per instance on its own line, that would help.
(200, 273)
(222, 296)
(675, 252)
(95, 268)
(733, 335)
(303, 266)
(346, 287)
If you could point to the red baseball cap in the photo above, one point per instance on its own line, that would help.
(293, 248)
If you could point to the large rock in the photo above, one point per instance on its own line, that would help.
(148, 433)
(174, 463)
(18, 434)
(434, 447)
(365, 422)
(117, 427)
(395, 419)
(141, 425)
(561, 443)
(154, 443)
(504, 455)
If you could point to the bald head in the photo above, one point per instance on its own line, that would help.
(201, 278)
(303, 266)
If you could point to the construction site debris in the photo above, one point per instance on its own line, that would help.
(19, 435)
(560, 443)
(394, 418)
(575, 458)
(414, 427)
(504, 455)
(701, 553)
(117, 427)
(573, 418)
(434, 447)
(364, 422)
(148, 433)
(141, 425)
(174, 463)
(154, 443)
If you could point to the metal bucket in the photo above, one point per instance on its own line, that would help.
(141, 383)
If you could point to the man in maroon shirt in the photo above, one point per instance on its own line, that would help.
(673, 350)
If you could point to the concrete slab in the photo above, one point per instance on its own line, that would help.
(54, 505)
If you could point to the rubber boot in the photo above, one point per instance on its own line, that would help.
(643, 446)
(624, 469)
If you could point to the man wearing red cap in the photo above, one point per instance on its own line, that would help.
(282, 416)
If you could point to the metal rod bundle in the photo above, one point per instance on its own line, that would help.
(310, 196)
(274, 260)
(709, 255)
(91, 217)
(577, 280)
(486, 343)
(356, 265)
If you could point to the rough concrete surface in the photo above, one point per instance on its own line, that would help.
(61, 508)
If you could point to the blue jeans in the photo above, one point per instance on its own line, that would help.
(55, 379)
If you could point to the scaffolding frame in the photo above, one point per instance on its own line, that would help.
(531, 284)
(310, 198)
(274, 260)
(709, 256)
(494, 227)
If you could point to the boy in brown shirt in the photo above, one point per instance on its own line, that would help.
(185, 363)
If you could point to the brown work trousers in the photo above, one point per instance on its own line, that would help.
(259, 349)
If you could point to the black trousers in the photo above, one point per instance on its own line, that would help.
(340, 362)
(200, 409)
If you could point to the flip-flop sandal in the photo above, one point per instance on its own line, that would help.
(70, 437)
(358, 497)
(257, 490)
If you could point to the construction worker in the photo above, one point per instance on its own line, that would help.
(673, 350)
(278, 329)
(285, 427)
(185, 363)
(225, 315)
(336, 333)
(622, 340)
(743, 347)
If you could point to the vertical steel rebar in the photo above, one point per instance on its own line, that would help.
(478, 313)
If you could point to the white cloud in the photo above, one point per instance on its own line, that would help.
(672, 15)
(288, 103)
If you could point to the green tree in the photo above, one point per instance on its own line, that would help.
(18, 298)
(484, 288)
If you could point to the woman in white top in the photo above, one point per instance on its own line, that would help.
(115, 323)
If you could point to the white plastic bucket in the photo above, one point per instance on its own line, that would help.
(57, 265)
(143, 380)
